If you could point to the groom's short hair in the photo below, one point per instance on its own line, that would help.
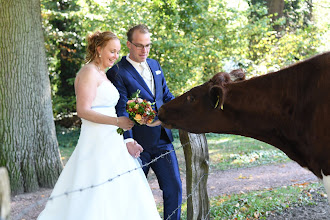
(140, 27)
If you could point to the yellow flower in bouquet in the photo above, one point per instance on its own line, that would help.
(138, 118)
(140, 111)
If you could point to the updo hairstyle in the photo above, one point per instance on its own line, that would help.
(95, 40)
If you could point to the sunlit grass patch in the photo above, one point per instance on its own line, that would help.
(224, 161)
(259, 204)
(234, 151)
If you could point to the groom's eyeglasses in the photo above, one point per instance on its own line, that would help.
(140, 46)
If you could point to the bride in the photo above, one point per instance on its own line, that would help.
(100, 161)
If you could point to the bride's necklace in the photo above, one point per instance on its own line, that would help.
(99, 69)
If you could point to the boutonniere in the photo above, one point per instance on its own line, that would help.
(158, 72)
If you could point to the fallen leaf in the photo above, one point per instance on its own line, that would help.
(256, 214)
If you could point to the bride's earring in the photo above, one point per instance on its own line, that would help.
(100, 55)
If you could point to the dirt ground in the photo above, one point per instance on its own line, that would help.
(219, 182)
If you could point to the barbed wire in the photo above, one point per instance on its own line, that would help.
(207, 215)
(30, 207)
(270, 189)
(209, 211)
(41, 201)
(187, 197)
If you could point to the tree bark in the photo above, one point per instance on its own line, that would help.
(197, 168)
(275, 8)
(29, 149)
(4, 194)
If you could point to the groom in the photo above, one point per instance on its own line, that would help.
(137, 72)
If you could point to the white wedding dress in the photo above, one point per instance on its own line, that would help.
(101, 160)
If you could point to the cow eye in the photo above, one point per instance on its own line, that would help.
(190, 98)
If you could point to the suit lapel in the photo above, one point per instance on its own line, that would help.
(157, 82)
(135, 74)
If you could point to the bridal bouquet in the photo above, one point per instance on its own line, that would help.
(140, 111)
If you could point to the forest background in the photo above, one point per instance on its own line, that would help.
(192, 39)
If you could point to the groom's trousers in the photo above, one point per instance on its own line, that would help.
(167, 172)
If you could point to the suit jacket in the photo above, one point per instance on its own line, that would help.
(127, 80)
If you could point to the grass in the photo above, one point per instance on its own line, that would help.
(234, 151)
(67, 140)
(258, 204)
(227, 152)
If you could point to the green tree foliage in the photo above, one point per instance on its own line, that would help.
(296, 39)
(298, 13)
(65, 38)
(192, 39)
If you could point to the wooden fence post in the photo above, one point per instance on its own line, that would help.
(4, 194)
(197, 168)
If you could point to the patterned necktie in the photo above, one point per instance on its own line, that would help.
(145, 72)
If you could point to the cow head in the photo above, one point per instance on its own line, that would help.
(197, 106)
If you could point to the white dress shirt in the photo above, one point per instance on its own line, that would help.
(144, 70)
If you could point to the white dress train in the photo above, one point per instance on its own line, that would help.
(100, 156)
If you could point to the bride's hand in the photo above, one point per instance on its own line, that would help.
(125, 123)
(155, 123)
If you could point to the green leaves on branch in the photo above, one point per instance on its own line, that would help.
(192, 39)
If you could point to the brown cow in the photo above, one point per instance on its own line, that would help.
(289, 109)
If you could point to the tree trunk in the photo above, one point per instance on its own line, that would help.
(197, 168)
(29, 149)
(4, 194)
(275, 8)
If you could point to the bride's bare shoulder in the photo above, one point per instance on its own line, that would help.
(86, 73)
(87, 70)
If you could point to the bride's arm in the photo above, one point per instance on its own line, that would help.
(86, 84)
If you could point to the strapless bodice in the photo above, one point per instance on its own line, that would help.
(106, 95)
(105, 100)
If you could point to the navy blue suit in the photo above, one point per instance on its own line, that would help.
(154, 140)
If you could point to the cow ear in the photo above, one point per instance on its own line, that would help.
(217, 97)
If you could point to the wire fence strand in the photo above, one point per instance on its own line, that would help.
(187, 197)
(41, 201)
(30, 207)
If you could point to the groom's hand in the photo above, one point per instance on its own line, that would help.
(155, 123)
(134, 149)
